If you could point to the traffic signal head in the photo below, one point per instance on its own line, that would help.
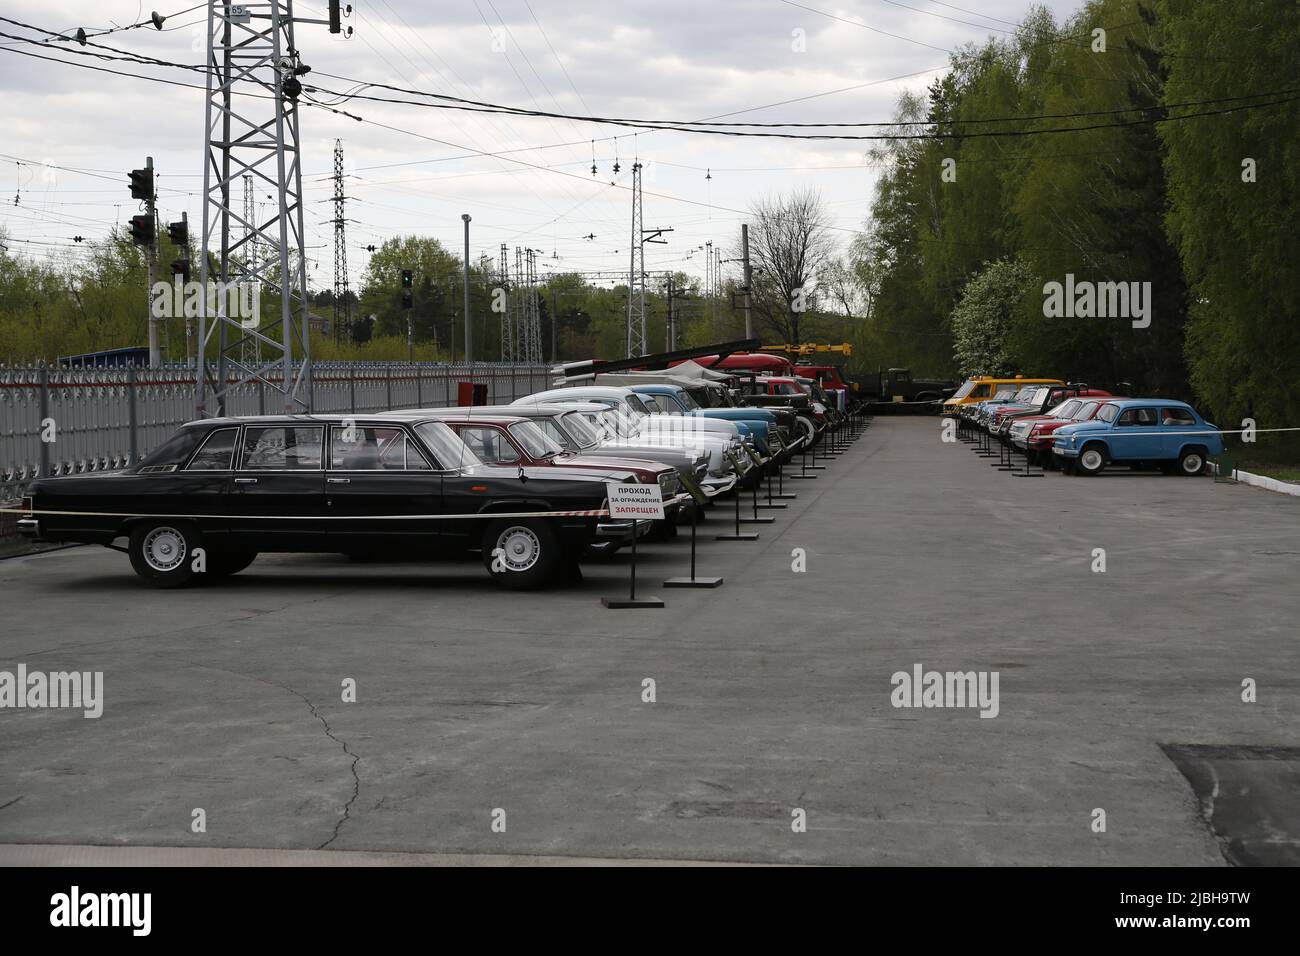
(407, 278)
(142, 230)
(179, 233)
(406, 300)
(181, 267)
(141, 183)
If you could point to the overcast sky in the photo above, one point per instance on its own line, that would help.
(669, 59)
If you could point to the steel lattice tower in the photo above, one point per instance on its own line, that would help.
(342, 307)
(531, 344)
(251, 351)
(507, 327)
(257, 136)
(636, 336)
(521, 305)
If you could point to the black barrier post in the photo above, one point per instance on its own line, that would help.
(780, 484)
(693, 581)
(756, 519)
(767, 480)
(738, 536)
(803, 465)
(632, 599)
(814, 466)
(1026, 473)
(1004, 462)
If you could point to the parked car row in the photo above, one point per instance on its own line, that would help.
(522, 484)
(1082, 430)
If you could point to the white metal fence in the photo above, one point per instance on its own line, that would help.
(101, 419)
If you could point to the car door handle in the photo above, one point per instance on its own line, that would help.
(245, 481)
(338, 481)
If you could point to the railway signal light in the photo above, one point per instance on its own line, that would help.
(179, 233)
(407, 278)
(181, 267)
(336, 25)
(142, 230)
(141, 183)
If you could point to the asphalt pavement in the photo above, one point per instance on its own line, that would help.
(772, 694)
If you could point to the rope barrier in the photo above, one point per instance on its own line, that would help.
(597, 513)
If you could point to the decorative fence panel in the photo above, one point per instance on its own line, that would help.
(57, 421)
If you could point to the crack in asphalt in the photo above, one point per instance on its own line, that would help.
(329, 732)
(5, 806)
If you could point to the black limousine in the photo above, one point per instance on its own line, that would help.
(221, 490)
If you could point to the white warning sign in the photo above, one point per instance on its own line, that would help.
(643, 502)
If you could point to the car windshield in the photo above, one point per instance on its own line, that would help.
(616, 423)
(965, 389)
(1025, 394)
(535, 441)
(634, 402)
(1109, 413)
(1065, 409)
(685, 398)
(1040, 395)
(448, 450)
(579, 430)
(1084, 411)
(1004, 395)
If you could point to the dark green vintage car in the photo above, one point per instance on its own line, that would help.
(222, 490)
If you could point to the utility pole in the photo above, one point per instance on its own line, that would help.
(155, 350)
(144, 232)
(555, 320)
(469, 332)
(744, 255)
(668, 319)
(342, 307)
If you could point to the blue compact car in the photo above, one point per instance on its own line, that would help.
(753, 422)
(1139, 431)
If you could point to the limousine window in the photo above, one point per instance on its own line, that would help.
(372, 449)
(169, 455)
(282, 448)
(217, 453)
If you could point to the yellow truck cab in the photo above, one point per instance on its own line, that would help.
(980, 387)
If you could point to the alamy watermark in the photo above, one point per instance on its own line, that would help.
(236, 300)
(37, 689)
(1100, 300)
(922, 688)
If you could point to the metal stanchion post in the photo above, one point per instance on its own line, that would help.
(693, 581)
(632, 600)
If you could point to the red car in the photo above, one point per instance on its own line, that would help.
(512, 441)
(1033, 435)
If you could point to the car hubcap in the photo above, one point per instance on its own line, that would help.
(1192, 464)
(1092, 460)
(519, 549)
(164, 549)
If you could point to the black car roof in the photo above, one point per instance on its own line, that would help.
(315, 419)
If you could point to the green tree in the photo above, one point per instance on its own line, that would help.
(981, 322)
